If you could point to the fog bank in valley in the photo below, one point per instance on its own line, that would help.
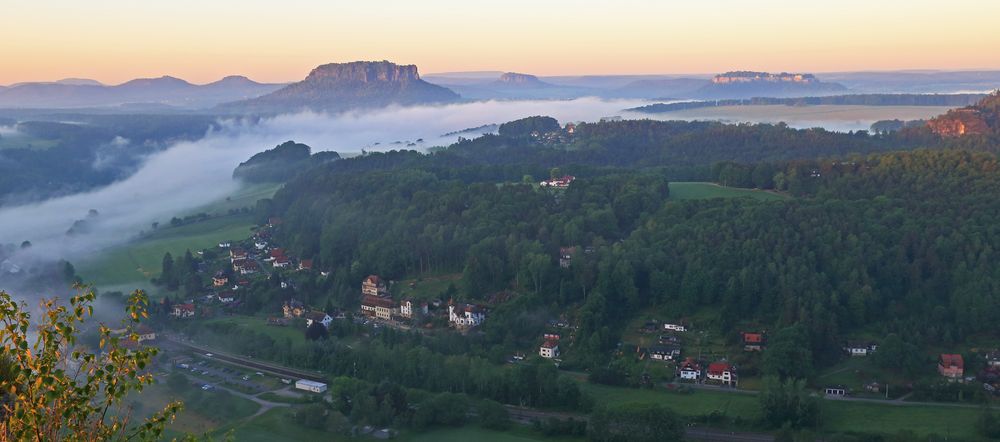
(189, 175)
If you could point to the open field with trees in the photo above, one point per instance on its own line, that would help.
(695, 190)
(140, 260)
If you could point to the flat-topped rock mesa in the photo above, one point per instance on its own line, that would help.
(763, 77)
(514, 79)
(752, 84)
(343, 86)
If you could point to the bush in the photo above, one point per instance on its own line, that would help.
(493, 415)
(310, 416)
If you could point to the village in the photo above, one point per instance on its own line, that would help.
(667, 347)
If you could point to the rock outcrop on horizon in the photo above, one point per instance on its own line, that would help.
(516, 80)
(337, 87)
(748, 84)
(982, 118)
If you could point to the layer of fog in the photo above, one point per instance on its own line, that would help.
(9, 131)
(190, 175)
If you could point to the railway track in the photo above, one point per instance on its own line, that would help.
(263, 367)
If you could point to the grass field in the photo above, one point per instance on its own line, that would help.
(697, 403)
(694, 190)
(274, 426)
(474, 433)
(130, 266)
(837, 416)
(247, 196)
(139, 261)
(260, 325)
(427, 287)
(203, 411)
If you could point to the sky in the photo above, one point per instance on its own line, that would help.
(278, 41)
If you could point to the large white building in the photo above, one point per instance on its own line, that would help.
(407, 308)
(313, 386)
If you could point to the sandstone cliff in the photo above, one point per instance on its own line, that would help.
(338, 87)
(982, 118)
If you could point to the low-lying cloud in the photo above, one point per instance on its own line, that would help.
(193, 174)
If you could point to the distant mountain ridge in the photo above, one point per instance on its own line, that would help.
(166, 90)
(338, 87)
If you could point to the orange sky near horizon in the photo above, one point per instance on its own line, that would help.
(201, 41)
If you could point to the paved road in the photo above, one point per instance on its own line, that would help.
(265, 405)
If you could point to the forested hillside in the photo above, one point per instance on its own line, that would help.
(896, 242)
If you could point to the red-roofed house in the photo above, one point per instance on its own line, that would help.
(689, 370)
(245, 266)
(753, 341)
(951, 366)
(220, 279)
(306, 264)
(721, 372)
(549, 349)
(373, 286)
(281, 262)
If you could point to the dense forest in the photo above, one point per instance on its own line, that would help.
(281, 163)
(871, 241)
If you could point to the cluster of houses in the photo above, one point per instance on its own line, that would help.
(689, 369)
(990, 376)
(555, 137)
(562, 182)
(716, 373)
(294, 308)
(241, 262)
(377, 303)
